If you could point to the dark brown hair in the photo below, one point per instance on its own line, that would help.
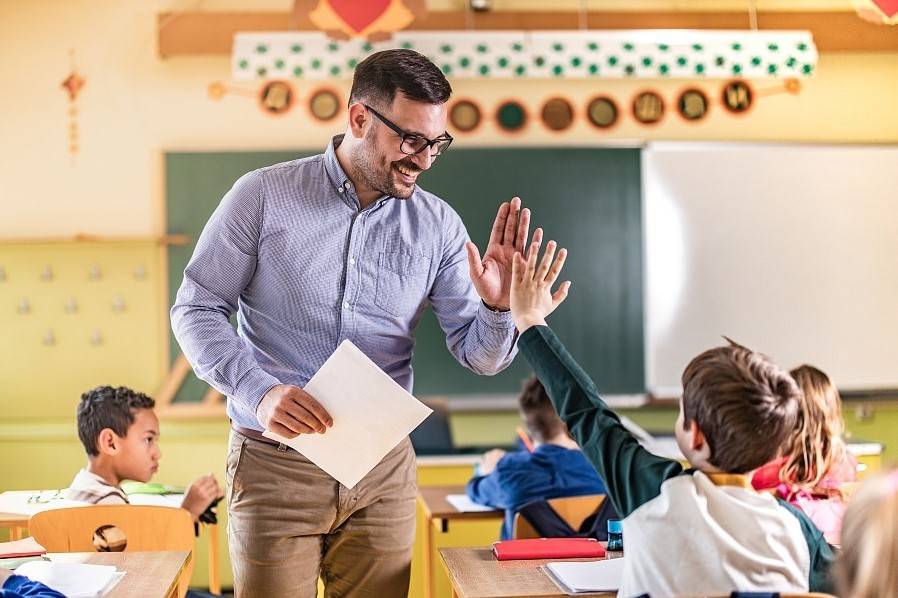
(539, 415)
(108, 407)
(378, 77)
(746, 407)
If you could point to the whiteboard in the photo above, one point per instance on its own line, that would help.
(791, 250)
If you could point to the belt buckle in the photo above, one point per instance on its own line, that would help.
(282, 447)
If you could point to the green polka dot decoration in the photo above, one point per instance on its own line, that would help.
(664, 69)
(520, 70)
(261, 49)
(647, 61)
(558, 47)
(464, 62)
(628, 47)
(737, 69)
(517, 47)
(316, 64)
(511, 116)
(539, 61)
(593, 69)
(699, 69)
(771, 69)
(407, 45)
(297, 71)
(802, 47)
(296, 48)
(502, 62)
(484, 70)
(367, 47)
(791, 62)
(447, 69)
(576, 61)
(807, 69)
(773, 47)
(482, 48)
(756, 61)
(243, 64)
(446, 49)
(612, 60)
(593, 46)
(736, 47)
(261, 71)
(352, 63)
(335, 71)
(279, 64)
(629, 70)
(663, 47)
(720, 61)
(557, 70)
(681, 60)
(698, 47)
(332, 47)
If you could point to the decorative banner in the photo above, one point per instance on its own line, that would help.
(324, 105)
(652, 54)
(511, 116)
(276, 97)
(737, 97)
(464, 115)
(648, 107)
(880, 12)
(557, 114)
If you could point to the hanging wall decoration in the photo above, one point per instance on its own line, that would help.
(465, 116)
(276, 97)
(737, 96)
(880, 12)
(692, 104)
(557, 114)
(374, 20)
(511, 116)
(73, 85)
(324, 105)
(691, 54)
(602, 112)
(648, 107)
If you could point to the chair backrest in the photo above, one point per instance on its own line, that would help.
(434, 435)
(116, 528)
(572, 509)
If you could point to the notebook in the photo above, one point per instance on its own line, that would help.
(548, 548)
(586, 577)
(21, 548)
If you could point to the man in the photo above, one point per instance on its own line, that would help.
(342, 245)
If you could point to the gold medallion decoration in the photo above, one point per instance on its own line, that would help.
(73, 85)
(602, 112)
(276, 97)
(465, 116)
(557, 114)
(324, 105)
(648, 107)
(737, 96)
(692, 104)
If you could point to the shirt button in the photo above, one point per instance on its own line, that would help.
(339, 189)
(352, 260)
(346, 305)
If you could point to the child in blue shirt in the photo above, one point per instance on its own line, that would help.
(555, 468)
(16, 586)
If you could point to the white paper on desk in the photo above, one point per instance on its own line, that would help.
(463, 504)
(586, 576)
(371, 414)
(75, 580)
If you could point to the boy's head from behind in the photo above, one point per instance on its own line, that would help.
(542, 423)
(119, 427)
(738, 410)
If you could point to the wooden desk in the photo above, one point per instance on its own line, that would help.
(147, 574)
(17, 523)
(438, 511)
(475, 573)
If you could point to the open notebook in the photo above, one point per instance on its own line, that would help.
(586, 577)
(75, 580)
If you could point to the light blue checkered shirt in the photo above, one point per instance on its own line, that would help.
(289, 250)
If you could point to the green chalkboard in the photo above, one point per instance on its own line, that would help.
(587, 199)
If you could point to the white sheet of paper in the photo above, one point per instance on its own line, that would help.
(371, 414)
(588, 576)
(76, 580)
(463, 504)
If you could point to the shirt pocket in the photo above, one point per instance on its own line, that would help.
(402, 282)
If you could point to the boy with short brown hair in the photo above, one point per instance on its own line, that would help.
(702, 531)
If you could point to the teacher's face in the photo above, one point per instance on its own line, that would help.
(380, 158)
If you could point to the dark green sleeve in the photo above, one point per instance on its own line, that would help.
(821, 553)
(632, 475)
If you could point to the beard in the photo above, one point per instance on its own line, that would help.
(382, 175)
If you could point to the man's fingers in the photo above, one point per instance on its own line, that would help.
(546, 262)
(561, 294)
(305, 417)
(531, 261)
(499, 225)
(511, 223)
(557, 265)
(282, 430)
(517, 266)
(474, 263)
(317, 410)
(520, 241)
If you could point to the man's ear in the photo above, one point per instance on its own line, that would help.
(359, 119)
(108, 442)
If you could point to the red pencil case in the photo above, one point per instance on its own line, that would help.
(548, 548)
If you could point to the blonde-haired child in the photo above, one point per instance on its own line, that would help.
(816, 463)
(866, 567)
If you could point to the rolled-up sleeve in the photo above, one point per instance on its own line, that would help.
(480, 339)
(221, 268)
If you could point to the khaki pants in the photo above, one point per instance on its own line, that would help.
(289, 523)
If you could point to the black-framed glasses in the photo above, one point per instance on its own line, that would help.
(413, 143)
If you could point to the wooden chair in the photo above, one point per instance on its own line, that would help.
(573, 509)
(144, 528)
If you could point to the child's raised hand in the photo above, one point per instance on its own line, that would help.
(531, 286)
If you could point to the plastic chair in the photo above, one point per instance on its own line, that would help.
(572, 509)
(114, 528)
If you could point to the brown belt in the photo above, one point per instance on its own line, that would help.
(257, 435)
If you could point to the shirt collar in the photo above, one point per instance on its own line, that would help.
(338, 177)
(730, 479)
